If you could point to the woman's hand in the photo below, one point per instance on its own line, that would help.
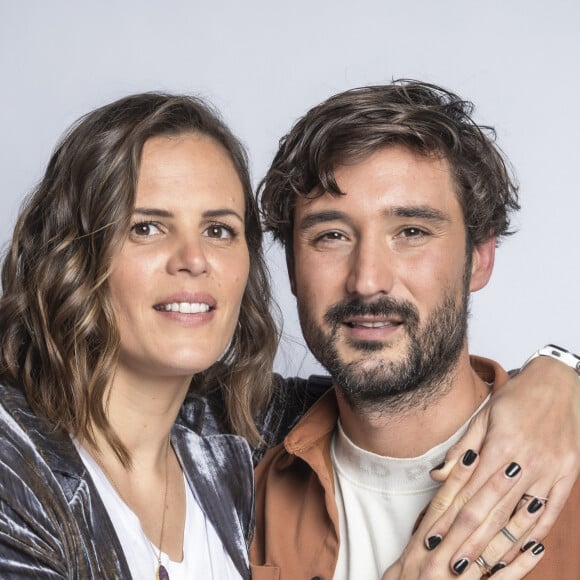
(533, 419)
(440, 557)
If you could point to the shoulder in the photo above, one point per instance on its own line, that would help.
(33, 437)
(35, 455)
(25, 435)
(293, 397)
(47, 500)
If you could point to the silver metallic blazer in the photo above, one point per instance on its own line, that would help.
(53, 523)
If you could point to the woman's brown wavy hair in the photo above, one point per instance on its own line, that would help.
(59, 340)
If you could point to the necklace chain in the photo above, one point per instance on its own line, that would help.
(162, 532)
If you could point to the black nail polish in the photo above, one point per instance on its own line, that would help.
(512, 469)
(438, 467)
(534, 505)
(460, 566)
(527, 545)
(433, 541)
(537, 549)
(497, 567)
(468, 458)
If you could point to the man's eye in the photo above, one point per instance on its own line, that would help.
(330, 237)
(412, 233)
(144, 229)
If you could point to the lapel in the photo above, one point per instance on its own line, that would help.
(218, 469)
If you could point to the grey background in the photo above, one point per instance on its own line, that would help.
(264, 63)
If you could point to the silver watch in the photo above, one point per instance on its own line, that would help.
(559, 353)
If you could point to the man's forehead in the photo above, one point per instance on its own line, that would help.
(384, 161)
(389, 180)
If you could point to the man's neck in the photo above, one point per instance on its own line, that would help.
(417, 428)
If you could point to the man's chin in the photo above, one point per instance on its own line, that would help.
(366, 355)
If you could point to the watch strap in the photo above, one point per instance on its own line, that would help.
(557, 352)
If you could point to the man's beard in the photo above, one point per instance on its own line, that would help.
(421, 376)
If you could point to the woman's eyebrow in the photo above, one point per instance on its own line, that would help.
(221, 213)
(155, 212)
(152, 211)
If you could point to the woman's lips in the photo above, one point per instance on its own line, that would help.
(184, 307)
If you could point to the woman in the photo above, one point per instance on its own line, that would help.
(135, 265)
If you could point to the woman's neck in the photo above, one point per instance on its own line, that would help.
(141, 410)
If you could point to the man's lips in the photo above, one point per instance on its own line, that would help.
(371, 322)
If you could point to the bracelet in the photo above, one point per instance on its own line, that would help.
(558, 353)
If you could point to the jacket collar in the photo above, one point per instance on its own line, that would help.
(316, 428)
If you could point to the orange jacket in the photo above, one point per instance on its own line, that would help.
(297, 531)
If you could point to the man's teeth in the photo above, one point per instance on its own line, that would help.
(370, 324)
(186, 307)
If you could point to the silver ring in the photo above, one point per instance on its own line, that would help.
(483, 565)
(528, 497)
(509, 535)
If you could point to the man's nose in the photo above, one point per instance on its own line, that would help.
(371, 268)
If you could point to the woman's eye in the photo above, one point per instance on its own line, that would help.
(145, 229)
(220, 232)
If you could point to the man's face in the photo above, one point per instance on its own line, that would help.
(382, 277)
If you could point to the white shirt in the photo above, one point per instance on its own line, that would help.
(378, 500)
(204, 555)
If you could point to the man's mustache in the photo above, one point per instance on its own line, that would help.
(384, 306)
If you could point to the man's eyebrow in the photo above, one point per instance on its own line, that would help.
(212, 213)
(312, 219)
(418, 211)
(403, 211)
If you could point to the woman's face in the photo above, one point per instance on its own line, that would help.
(178, 280)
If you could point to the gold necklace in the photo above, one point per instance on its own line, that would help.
(161, 571)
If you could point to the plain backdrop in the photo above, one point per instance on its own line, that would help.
(264, 63)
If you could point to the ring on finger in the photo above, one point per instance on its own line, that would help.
(509, 535)
(483, 566)
(528, 496)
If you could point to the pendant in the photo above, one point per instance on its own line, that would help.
(162, 573)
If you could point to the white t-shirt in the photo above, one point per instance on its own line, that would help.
(378, 500)
(204, 555)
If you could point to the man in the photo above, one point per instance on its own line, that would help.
(390, 201)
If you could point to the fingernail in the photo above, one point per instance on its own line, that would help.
(538, 549)
(460, 566)
(433, 541)
(527, 545)
(468, 458)
(534, 505)
(512, 469)
(497, 567)
(438, 467)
